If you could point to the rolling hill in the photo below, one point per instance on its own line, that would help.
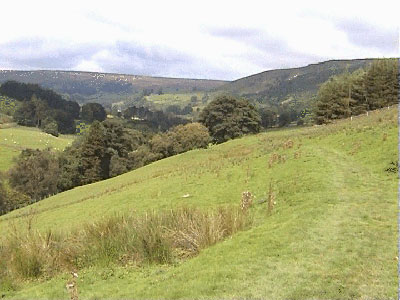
(270, 87)
(14, 139)
(302, 83)
(332, 233)
(106, 88)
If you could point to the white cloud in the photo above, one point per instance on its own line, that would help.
(307, 29)
(88, 65)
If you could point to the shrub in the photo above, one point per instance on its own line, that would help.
(35, 173)
(227, 118)
(50, 126)
(188, 137)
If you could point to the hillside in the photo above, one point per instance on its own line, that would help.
(269, 87)
(331, 235)
(106, 88)
(302, 83)
(14, 139)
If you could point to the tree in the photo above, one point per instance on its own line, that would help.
(354, 93)
(93, 112)
(35, 173)
(94, 166)
(50, 126)
(227, 118)
(41, 110)
(333, 99)
(70, 165)
(40, 103)
(103, 152)
(381, 83)
(268, 117)
(284, 118)
(188, 137)
(25, 114)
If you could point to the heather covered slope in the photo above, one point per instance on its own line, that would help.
(331, 235)
(106, 88)
(300, 84)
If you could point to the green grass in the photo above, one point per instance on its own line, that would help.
(331, 235)
(14, 139)
(164, 100)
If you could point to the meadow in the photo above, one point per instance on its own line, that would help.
(324, 218)
(13, 139)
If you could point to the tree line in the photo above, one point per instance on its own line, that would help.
(153, 120)
(41, 107)
(111, 147)
(108, 149)
(351, 94)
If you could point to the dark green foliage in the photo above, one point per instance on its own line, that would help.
(381, 83)
(50, 126)
(355, 93)
(179, 139)
(284, 118)
(142, 156)
(94, 156)
(70, 167)
(268, 117)
(25, 114)
(177, 110)
(108, 149)
(10, 199)
(161, 146)
(93, 112)
(35, 173)
(102, 153)
(156, 120)
(188, 137)
(40, 103)
(227, 117)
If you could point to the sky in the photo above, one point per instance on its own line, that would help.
(193, 39)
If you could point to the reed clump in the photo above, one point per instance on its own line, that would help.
(154, 237)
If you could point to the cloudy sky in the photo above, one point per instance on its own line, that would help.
(193, 39)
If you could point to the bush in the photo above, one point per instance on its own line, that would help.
(50, 126)
(35, 173)
(189, 137)
(93, 112)
(227, 118)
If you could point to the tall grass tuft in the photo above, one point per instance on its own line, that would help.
(126, 239)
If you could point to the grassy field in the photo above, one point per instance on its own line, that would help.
(16, 138)
(332, 233)
(180, 99)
